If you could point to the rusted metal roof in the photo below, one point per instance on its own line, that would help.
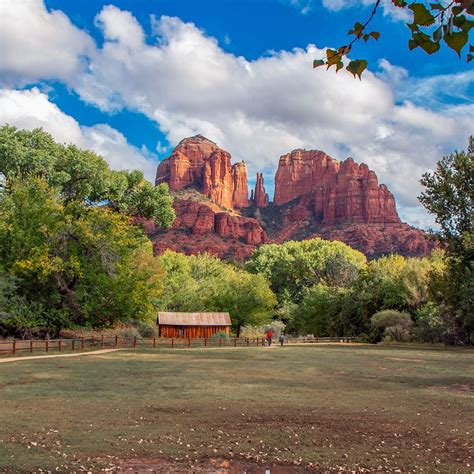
(194, 319)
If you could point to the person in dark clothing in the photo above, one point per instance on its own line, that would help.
(281, 339)
(269, 337)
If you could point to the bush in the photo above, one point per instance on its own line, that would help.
(146, 329)
(429, 324)
(395, 324)
(220, 335)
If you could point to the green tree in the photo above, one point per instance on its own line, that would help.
(81, 176)
(72, 266)
(293, 266)
(205, 283)
(449, 196)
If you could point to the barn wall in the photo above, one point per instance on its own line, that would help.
(190, 331)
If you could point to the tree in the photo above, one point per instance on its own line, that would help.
(293, 266)
(433, 23)
(81, 176)
(89, 268)
(449, 196)
(205, 283)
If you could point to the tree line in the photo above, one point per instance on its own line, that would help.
(73, 254)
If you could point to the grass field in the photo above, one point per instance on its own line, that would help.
(322, 407)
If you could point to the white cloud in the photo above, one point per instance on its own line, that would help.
(256, 109)
(390, 10)
(31, 109)
(261, 109)
(38, 44)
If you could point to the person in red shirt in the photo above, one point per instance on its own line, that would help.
(269, 337)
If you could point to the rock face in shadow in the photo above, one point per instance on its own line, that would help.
(315, 195)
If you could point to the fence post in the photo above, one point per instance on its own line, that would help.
(235, 342)
(248, 342)
(47, 345)
(59, 345)
(73, 345)
(14, 347)
(92, 342)
(135, 342)
(220, 342)
(205, 342)
(116, 340)
(172, 343)
(82, 343)
(189, 342)
(154, 342)
(102, 341)
(31, 346)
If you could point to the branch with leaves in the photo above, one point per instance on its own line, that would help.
(432, 24)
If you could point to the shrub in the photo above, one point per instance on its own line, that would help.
(395, 324)
(220, 335)
(429, 324)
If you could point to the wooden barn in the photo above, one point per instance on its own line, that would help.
(192, 325)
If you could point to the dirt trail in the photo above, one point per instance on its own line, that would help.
(51, 356)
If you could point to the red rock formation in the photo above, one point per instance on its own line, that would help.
(199, 228)
(337, 193)
(259, 198)
(315, 195)
(240, 198)
(200, 163)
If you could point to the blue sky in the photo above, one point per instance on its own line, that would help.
(129, 79)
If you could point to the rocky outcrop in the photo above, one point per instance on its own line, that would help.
(198, 162)
(335, 192)
(315, 195)
(199, 228)
(240, 197)
(259, 197)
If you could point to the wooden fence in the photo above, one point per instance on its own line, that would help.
(83, 344)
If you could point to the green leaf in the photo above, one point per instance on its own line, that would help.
(366, 37)
(456, 10)
(421, 15)
(318, 62)
(429, 46)
(339, 65)
(375, 35)
(467, 25)
(436, 6)
(413, 27)
(399, 3)
(471, 48)
(412, 44)
(437, 34)
(456, 41)
(357, 67)
(333, 57)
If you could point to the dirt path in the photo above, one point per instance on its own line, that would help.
(51, 356)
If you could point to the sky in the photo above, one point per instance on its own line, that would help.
(130, 78)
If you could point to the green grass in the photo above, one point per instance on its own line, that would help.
(373, 407)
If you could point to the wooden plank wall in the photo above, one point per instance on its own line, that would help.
(192, 332)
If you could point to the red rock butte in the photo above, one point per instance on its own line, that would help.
(315, 195)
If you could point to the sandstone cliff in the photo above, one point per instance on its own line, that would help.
(259, 197)
(315, 195)
(200, 163)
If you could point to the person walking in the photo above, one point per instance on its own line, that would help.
(281, 339)
(269, 337)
